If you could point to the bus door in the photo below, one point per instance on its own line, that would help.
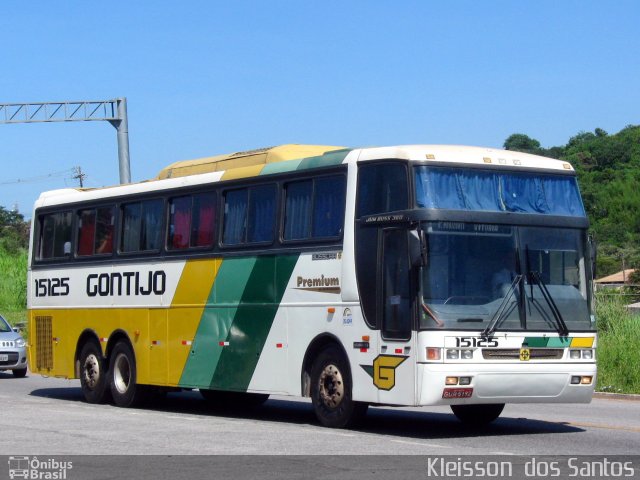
(394, 368)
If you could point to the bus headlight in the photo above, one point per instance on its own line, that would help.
(455, 354)
(577, 354)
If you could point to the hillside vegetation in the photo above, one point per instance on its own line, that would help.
(608, 168)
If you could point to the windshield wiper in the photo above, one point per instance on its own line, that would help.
(561, 327)
(500, 315)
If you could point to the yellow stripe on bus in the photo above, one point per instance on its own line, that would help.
(244, 172)
(582, 342)
(186, 311)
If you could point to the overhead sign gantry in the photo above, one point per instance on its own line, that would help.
(112, 111)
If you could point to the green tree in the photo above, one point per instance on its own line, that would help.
(14, 231)
(522, 143)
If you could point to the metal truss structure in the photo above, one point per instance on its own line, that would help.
(112, 111)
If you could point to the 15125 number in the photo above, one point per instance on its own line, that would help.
(52, 287)
(466, 342)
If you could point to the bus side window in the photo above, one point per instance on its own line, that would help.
(249, 215)
(314, 208)
(328, 206)
(95, 231)
(382, 188)
(55, 234)
(141, 226)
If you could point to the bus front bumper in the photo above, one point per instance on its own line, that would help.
(505, 383)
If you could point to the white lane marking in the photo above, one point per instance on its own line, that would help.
(421, 444)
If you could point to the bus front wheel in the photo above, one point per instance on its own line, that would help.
(331, 391)
(477, 415)
(122, 367)
(93, 373)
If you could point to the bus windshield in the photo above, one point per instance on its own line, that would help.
(505, 277)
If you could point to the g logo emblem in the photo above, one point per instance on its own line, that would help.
(525, 354)
(383, 370)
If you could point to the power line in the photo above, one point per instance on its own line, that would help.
(40, 178)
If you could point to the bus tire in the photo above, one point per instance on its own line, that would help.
(331, 391)
(20, 372)
(477, 415)
(94, 375)
(218, 398)
(122, 367)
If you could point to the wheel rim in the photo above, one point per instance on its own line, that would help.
(91, 371)
(331, 386)
(122, 373)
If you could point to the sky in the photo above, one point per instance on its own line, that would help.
(209, 77)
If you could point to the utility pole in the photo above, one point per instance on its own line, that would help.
(79, 175)
(112, 111)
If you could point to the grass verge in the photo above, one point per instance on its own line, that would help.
(618, 340)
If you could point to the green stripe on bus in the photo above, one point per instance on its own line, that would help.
(559, 342)
(280, 167)
(218, 314)
(328, 159)
(542, 342)
(252, 322)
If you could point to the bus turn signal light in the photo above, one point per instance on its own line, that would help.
(434, 353)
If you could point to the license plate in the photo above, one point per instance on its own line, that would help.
(457, 393)
(4, 358)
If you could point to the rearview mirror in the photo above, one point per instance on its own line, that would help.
(417, 248)
(593, 255)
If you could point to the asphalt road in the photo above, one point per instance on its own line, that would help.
(48, 416)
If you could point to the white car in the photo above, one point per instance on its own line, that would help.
(13, 352)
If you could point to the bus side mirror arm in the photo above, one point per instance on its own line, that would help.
(417, 248)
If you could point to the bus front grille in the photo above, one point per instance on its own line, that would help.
(44, 343)
(514, 353)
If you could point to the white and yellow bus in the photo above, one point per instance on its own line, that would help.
(409, 275)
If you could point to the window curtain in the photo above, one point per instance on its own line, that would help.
(262, 213)
(203, 220)
(467, 189)
(328, 206)
(235, 216)
(298, 210)
(180, 222)
(151, 225)
(86, 232)
(131, 230)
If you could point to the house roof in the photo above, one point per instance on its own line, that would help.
(620, 277)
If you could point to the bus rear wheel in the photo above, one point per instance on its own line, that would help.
(477, 415)
(122, 367)
(93, 374)
(331, 391)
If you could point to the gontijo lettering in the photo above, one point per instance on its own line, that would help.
(126, 283)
